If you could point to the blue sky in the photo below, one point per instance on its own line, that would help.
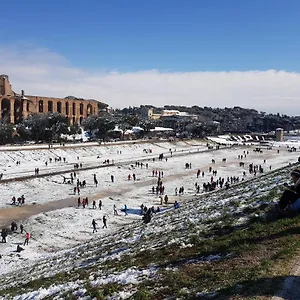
(217, 53)
(188, 35)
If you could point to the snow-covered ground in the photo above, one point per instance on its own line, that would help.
(88, 155)
(61, 229)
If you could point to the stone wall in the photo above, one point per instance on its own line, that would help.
(16, 107)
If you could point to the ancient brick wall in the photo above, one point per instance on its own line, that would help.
(16, 107)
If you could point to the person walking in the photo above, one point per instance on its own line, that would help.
(104, 222)
(125, 209)
(166, 199)
(94, 204)
(94, 223)
(95, 180)
(115, 210)
(27, 237)
(3, 235)
(100, 204)
(21, 228)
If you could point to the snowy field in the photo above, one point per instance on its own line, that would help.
(89, 154)
(61, 229)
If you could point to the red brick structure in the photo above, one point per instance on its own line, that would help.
(16, 107)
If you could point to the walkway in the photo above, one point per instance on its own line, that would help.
(291, 287)
(19, 213)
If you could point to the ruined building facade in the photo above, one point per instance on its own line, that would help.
(16, 107)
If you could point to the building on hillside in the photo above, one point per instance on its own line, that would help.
(146, 113)
(176, 119)
(169, 112)
(16, 107)
(166, 114)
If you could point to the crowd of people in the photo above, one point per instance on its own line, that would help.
(288, 204)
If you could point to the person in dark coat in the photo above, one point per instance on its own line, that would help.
(147, 216)
(14, 226)
(291, 194)
(289, 203)
(104, 222)
(94, 223)
(4, 234)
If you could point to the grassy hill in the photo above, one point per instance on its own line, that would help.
(217, 246)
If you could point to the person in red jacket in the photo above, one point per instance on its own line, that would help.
(27, 237)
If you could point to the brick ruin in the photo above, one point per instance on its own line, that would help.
(16, 107)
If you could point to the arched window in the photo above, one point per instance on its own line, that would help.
(41, 106)
(74, 120)
(50, 106)
(68, 120)
(80, 120)
(89, 109)
(58, 107)
(27, 106)
(81, 109)
(67, 108)
(74, 109)
(5, 109)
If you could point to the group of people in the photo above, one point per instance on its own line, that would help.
(179, 191)
(94, 224)
(56, 159)
(133, 177)
(13, 229)
(147, 213)
(156, 173)
(19, 201)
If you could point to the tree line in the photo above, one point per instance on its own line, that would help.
(208, 121)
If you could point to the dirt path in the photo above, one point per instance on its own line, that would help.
(20, 213)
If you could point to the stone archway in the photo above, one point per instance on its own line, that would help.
(5, 110)
(81, 108)
(18, 111)
(89, 109)
(50, 106)
(41, 106)
(59, 107)
(73, 109)
(67, 108)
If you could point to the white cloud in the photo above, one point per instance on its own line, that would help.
(41, 72)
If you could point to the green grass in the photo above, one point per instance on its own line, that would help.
(258, 256)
